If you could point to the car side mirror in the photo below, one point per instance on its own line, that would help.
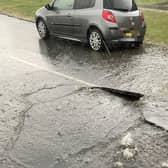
(48, 6)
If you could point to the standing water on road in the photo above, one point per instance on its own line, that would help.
(47, 121)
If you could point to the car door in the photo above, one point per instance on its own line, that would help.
(82, 14)
(60, 18)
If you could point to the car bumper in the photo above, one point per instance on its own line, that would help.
(123, 40)
(119, 36)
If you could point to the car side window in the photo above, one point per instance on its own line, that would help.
(83, 4)
(63, 4)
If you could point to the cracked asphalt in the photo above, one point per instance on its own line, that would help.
(48, 121)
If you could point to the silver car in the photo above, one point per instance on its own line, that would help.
(96, 22)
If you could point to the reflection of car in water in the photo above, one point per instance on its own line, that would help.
(92, 21)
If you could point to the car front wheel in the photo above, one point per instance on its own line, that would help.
(42, 29)
(95, 40)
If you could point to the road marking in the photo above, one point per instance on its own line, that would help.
(53, 72)
(132, 95)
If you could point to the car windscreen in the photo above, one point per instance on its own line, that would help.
(123, 5)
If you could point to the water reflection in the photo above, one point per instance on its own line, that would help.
(65, 51)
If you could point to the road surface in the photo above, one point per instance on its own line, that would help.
(48, 121)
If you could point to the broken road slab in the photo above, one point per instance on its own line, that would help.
(156, 111)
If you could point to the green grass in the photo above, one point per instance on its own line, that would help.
(157, 22)
(23, 8)
(150, 1)
(157, 26)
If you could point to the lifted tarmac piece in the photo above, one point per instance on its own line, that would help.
(121, 93)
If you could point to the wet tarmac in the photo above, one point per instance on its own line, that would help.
(47, 121)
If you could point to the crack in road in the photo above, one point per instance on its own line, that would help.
(61, 97)
(101, 145)
(41, 89)
(154, 124)
(19, 162)
(18, 129)
(20, 126)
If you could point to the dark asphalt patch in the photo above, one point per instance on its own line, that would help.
(121, 93)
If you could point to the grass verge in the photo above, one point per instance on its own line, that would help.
(157, 24)
(150, 1)
(21, 8)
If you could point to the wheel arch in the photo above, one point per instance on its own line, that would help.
(40, 18)
(91, 27)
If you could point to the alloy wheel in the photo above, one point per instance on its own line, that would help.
(95, 40)
(42, 29)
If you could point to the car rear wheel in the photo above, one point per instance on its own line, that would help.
(42, 29)
(95, 40)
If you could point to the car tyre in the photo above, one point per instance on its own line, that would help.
(42, 29)
(95, 40)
